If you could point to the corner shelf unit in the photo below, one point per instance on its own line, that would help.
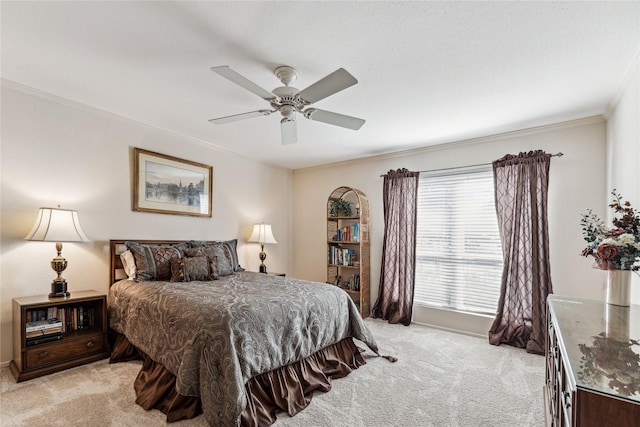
(348, 248)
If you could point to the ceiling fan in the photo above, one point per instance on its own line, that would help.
(289, 100)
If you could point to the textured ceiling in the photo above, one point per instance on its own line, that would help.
(429, 72)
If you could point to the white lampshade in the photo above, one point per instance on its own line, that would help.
(57, 225)
(262, 234)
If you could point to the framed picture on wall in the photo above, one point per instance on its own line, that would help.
(169, 185)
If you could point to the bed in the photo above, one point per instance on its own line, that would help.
(237, 346)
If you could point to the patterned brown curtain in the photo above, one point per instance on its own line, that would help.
(397, 275)
(521, 187)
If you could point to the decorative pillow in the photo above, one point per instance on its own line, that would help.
(154, 262)
(128, 264)
(201, 268)
(213, 267)
(230, 246)
(217, 250)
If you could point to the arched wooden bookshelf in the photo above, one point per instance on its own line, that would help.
(348, 247)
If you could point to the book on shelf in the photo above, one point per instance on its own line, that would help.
(44, 339)
(40, 325)
(353, 284)
(348, 234)
(341, 256)
(43, 332)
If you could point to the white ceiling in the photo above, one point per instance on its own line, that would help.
(429, 72)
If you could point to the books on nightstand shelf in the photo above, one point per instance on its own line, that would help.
(43, 325)
(69, 318)
(41, 339)
(41, 331)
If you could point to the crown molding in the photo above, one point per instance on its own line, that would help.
(4, 83)
(467, 142)
(634, 70)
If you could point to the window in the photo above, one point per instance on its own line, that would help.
(458, 252)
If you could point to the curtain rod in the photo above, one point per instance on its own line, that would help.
(558, 154)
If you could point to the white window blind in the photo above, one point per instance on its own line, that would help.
(458, 252)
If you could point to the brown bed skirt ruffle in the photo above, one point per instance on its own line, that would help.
(287, 389)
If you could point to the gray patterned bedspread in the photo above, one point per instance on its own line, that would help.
(215, 336)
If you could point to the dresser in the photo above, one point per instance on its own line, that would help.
(592, 364)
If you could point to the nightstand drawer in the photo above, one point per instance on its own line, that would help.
(52, 353)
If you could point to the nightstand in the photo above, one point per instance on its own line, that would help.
(84, 337)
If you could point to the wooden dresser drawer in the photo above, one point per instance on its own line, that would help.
(46, 354)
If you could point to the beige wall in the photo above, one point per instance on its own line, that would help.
(623, 150)
(57, 152)
(577, 181)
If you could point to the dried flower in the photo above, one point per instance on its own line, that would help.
(619, 247)
(607, 251)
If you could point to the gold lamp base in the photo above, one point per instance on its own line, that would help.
(59, 284)
(263, 256)
(59, 289)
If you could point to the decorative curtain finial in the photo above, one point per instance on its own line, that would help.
(401, 173)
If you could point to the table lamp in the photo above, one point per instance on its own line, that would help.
(262, 234)
(57, 225)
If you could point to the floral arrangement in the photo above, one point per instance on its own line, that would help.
(619, 247)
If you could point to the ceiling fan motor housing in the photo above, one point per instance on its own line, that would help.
(287, 102)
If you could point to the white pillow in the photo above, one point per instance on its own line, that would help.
(129, 264)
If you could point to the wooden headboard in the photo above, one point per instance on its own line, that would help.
(116, 247)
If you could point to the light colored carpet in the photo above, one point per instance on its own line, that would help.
(441, 379)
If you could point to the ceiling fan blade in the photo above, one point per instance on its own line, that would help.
(334, 118)
(327, 86)
(289, 132)
(236, 117)
(240, 80)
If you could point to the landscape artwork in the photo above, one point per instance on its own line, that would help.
(166, 184)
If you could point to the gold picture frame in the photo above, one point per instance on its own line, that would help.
(169, 185)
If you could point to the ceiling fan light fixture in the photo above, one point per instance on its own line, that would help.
(288, 112)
